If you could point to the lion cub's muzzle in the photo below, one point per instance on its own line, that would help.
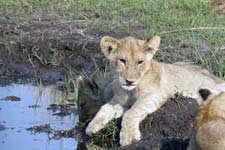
(129, 85)
(129, 82)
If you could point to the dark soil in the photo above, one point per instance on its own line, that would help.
(56, 134)
(61, 109)
(43, 49)
(46, 50)
(169, 127)
(11, 98)
(220, 5)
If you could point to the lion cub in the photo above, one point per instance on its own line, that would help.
(210, 123)
(143, 83)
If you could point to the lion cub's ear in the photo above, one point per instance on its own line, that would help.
(152, 45)
(204, 93)
(108, 45)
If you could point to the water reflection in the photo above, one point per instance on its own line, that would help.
(17, 116)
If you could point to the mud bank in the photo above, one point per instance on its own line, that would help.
(47, 50)
(168, 128)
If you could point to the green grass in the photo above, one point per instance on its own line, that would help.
(214, 61)
(108, 137)
(123, 15)
(176, 21)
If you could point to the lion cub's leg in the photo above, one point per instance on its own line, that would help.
(132, 118)
(106, 113)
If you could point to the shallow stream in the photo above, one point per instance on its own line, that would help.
(29, 109)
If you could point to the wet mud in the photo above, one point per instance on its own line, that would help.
(50, 51)
(168, 128)
(61, 109)
(56, 134)
(11, 98)
(46, 51)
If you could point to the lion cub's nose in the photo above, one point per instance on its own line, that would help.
(129, 82)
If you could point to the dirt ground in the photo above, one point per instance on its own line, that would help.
(45, 54)
(170, 127)
(50, 51)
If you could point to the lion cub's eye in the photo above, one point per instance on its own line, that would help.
(140, 62)
(123, 61)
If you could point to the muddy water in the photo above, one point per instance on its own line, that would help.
(17, 116)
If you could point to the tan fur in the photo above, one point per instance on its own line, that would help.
(140, 77)
(210, 125)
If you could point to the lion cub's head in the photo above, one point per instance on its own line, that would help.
(209, 133)
(213, 106)
(130, 57)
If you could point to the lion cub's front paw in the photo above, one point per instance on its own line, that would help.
(104, 115)
(92, 129)
(89, 130)
(128, 135)
(94, 126)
